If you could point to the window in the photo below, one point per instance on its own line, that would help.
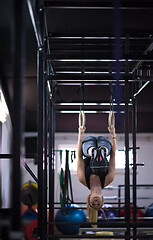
(120, 159)
(3, 108)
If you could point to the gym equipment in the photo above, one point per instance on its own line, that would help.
(30, 229)
(65, 183)
(29, 193)
(149, 211)
(82, 118)
(111, 119)
(74, 215)
(24, 208)
(30, 214)
(104, 234)
(140, 214)
(108, 213)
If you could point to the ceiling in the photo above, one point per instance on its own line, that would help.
(86, 40)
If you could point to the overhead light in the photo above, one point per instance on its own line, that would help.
(3, 108)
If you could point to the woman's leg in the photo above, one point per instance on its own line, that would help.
(104, 142)
(89, 142)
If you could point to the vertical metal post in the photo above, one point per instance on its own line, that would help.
(51, 161)
(134, 164)
(42, 175)
(127, 179)
(126, 122)
(45, 152)
(40, 146)
(18, 117)
(119, 199)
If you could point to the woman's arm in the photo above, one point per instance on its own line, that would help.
(111, 169)
(80, 162)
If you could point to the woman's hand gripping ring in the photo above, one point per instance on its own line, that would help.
(82, 119)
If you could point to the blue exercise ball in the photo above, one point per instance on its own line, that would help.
(30, 214)
(149, 211)
(108, 213)
(74, 214)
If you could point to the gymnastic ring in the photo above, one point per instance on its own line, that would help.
(111, 119)
(82, 119)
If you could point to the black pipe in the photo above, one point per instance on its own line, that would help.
(97, 5)
(119, 199)
(33, 15)
(45, 137)
(5, 156)
(76, 36)
(110, 224)
(51, 159)
(86, 76)
(40, 146)
(134, 164)
(88, 56)
(31, 172)
(93, 236)
(10, 155)
(41, 129)
(18, 112)
(126, 122)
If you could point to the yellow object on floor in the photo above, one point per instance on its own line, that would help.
(104, 234)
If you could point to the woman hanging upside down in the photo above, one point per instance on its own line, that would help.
(93, 169)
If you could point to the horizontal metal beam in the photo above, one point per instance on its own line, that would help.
(8, 155)
(96, 79)
(87, 82)
(85, 111)
(97, 36)
(110, 224)
(80, 37)
(90, 76)
(88, 236)
(104, 5)
(96, 56)
(88, 104)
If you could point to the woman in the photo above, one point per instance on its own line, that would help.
(93, 169)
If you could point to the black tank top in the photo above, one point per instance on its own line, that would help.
(88, 172)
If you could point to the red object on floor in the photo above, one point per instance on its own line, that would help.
(140, 214)
(30, 229)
